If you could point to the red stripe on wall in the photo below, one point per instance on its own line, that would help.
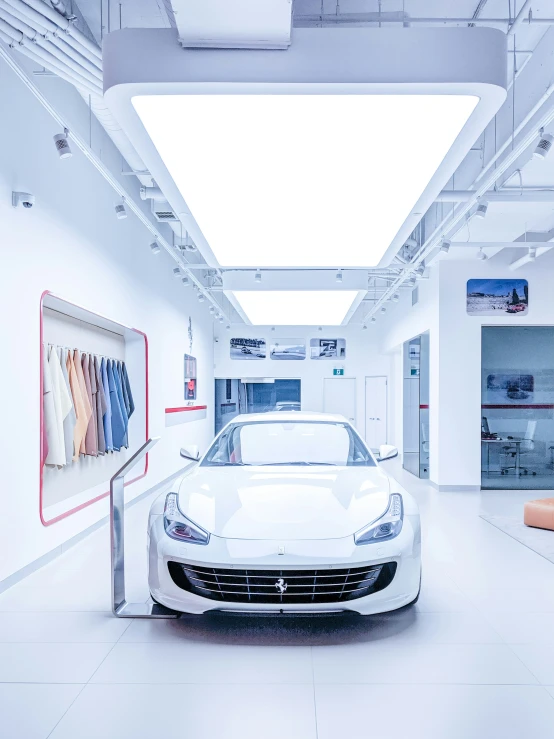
(424, 406)
(187, 408)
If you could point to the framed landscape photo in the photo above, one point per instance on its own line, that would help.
(282, 349)
(497, 297)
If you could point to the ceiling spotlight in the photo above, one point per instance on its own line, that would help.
(481, 254)
(120, 211)
(258, 276)
(395, 298)
(176, 272)
(411, 281)
(383, 309)
(221, 319)
(482, 209)
(338, 278)
(543, 147)
(61, 143)
(364, 327)
(373, 319)
(155, 247)
(420, 271)
(320, 329)
(228, 327)
(532, 255)
(273, 328)
(185, 280)
(212, 309)
(201, 297)
(445, 246)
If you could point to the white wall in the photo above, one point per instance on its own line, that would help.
(362, 360)
(455, 370)
(71, 244)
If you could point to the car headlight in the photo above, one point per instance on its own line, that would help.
(387, 526)
(178, 526)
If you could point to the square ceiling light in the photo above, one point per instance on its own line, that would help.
(296, 307)
(325, 155)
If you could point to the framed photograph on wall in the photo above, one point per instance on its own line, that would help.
(190, 377)
(248, 349)
(497, 297)
(327, 348)
(281, 349)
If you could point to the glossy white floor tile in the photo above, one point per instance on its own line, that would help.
(437, 711)
(472, 660)
(179, 711)
(474, 664)
(32, 711)
(50, 663)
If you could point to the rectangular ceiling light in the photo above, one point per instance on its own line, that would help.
(324, 155)
(296, 307)
(302, 180)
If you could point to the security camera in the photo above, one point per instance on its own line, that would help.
(26, 199)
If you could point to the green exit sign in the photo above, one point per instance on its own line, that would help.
(338, 371)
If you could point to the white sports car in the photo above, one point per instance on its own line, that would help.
(286, 512)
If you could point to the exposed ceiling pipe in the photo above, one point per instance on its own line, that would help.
(521, 17)
(130, 203)
(331, 19)
(452, 220)
(513, 195)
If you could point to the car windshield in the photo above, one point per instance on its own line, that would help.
(288, 443)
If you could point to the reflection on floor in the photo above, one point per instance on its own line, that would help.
(473, 660)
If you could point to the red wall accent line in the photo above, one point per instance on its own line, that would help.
(187, 408)
(41, 425)
(424, 406)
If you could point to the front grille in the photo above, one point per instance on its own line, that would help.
(282, 586)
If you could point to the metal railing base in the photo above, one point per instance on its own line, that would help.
(144, 610)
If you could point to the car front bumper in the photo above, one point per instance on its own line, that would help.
(329, 554)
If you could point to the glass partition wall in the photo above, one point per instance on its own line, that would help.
(415, 457)
(253, 395)
(517, 407)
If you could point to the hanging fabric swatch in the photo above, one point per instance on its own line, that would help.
(100, 407)
(62, 402)
(84, 395)
(118, 422)
(49, 417)
(108, 414)
(91, 448)
(71, 419)
(127, 391)
(119, 389)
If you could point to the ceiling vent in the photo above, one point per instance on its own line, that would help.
(234, 24)
(162, 211)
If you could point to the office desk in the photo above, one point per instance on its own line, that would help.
(506, 442)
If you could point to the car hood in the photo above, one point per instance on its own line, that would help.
(283, 503)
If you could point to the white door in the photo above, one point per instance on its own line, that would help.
(375, 411)
(339, 396)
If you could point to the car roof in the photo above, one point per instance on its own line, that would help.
(282, 416)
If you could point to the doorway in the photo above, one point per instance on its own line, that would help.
(375, 411)
(339, 396)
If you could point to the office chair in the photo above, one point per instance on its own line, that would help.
(526, 447)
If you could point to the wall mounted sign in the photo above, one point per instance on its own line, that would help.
(190, 377)
(338, 371)
(497, 297)
(327, 348)
(288, 349)
(248, 349)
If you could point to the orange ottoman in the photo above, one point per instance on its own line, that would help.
(539, 513)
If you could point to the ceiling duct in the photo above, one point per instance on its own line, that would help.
(234, 24)
(163, 212)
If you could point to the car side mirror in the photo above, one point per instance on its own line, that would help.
(387, 451)
(192, 453)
